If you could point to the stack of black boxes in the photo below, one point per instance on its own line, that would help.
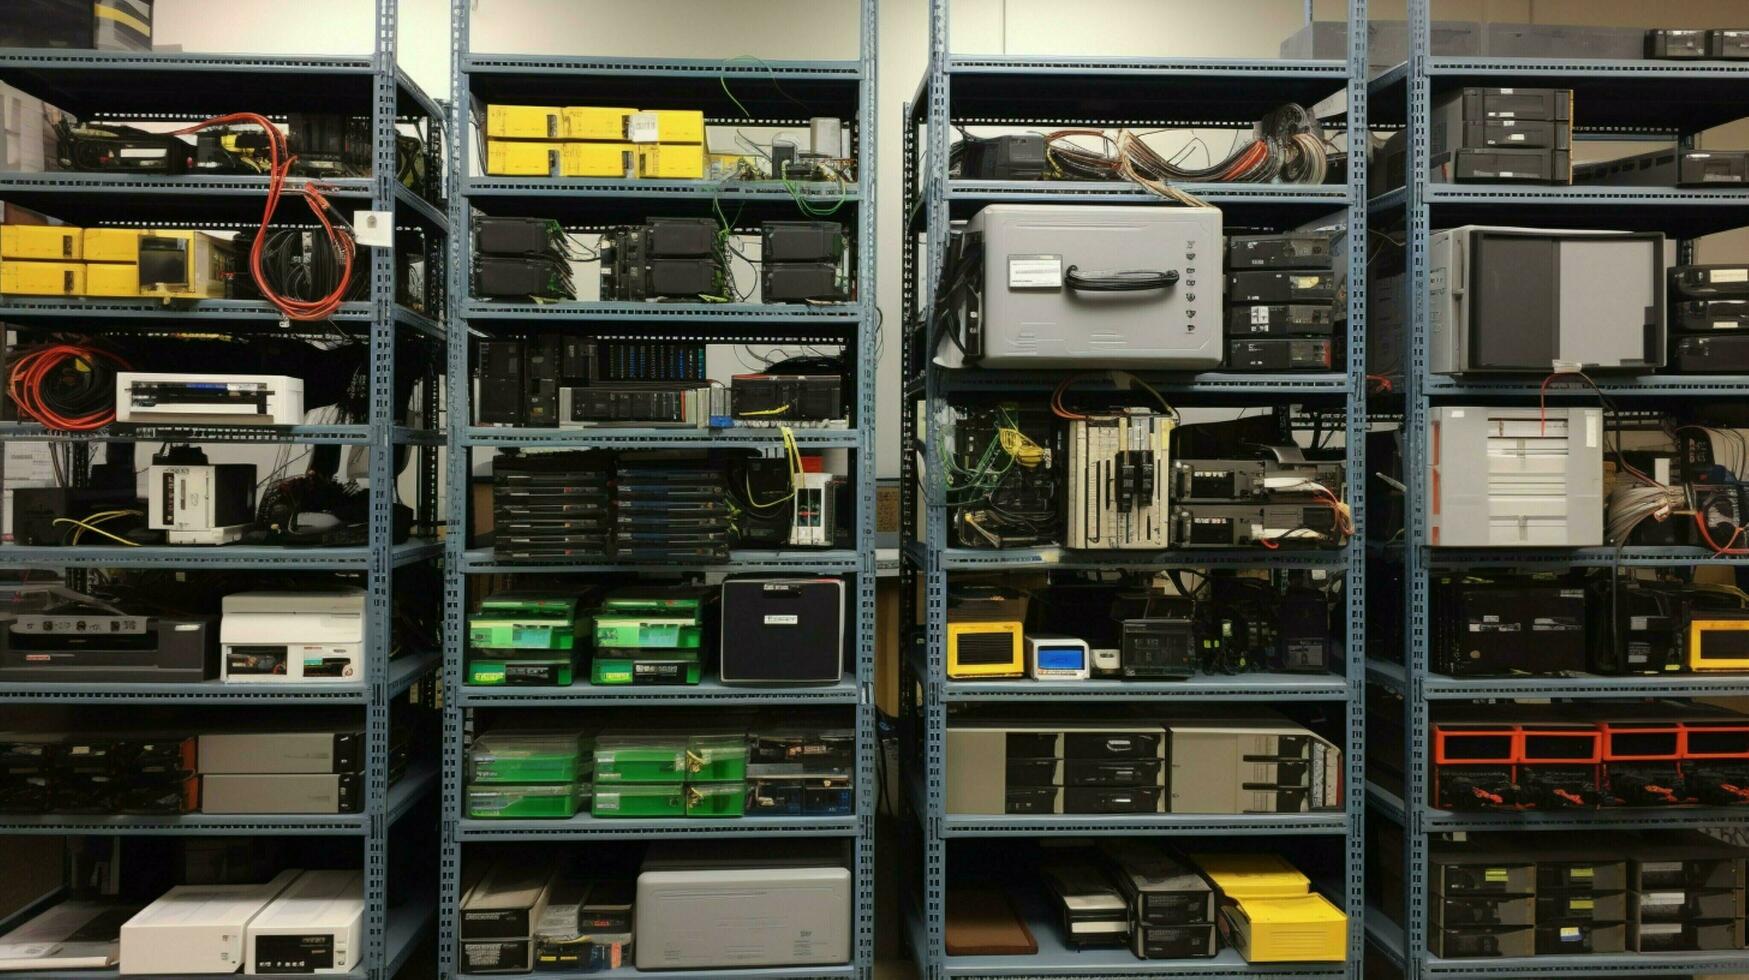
(799, 261)
(1503, 135)
(1281, 302)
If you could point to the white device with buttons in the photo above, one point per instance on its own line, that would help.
(315, 926)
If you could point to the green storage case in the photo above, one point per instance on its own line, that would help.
(521, 671)
(519, 633)
(716, 799)
(642, 632)
(545, 605)
(716, 758)
(685, 601)
(639, 800)
(529, 757)
(498, 802)
(651, 667)
(640, 759)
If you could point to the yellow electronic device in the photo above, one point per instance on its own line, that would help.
(523, 122)
(1301, 929)
(599, 160)
(671, 161)
(1718, 640)
(112, 279)
(185, 264)
(665, 126)
(986, 649)
(32, 278)
(1248, 876)
(586, 122)
(56, 243)
(508, 158)
(112, 244)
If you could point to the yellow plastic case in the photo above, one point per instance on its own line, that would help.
(1303, 929)
(671, 162)
(511, 159)
(1248, 876)
(523, 122)
(112, 244)
(112, 279)
(27, 278)
(599, 160)
(1014, 665)
(595, 123)
(672, 126)
(56, 243)
(205, 261)
(1718, 642)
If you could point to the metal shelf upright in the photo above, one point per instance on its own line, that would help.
(175, 85)
(848, 88)
(1629, 99)
(1027, 91)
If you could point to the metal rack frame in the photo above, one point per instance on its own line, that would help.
(145, 85)
(1621, 100)
(973, 89)
(596, 203)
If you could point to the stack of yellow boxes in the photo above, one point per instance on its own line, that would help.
(56, 260)
(594, 141)
(1270, 914)
(42, 260)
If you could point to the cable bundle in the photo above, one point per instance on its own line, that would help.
(1631, 503)
(66, 386)
(340, 237)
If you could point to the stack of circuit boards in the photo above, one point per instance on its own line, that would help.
(514, 775)
(551, 507)
(523, 639)
(650, 635)
(667, 512)
(656, 776)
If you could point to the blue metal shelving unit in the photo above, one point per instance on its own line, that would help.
(1654, 100)
(962, 89)
(849, 87)
(170, 84)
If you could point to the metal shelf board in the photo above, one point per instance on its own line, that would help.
(1678, 212)
(419, 323)
(421, 778)
(408, 203)
(1441, 687)
(1616, 818)
(89, 83)
(708, 691)
(765, 88)
(408, 924)
(1204, 687)
(598, 202)
(93, 199)
(647, 438)
(1171, 824)
(843, 314)
(1221, 385)
(844, 971)
(1385, 935)
(146, 314)
(1611, 95)
(481, 561)
(1646, 557)
(585, 827)
(1026, 88)
(224, 556)
(355, 435)
(411, 98)
(404, 671)
(1385, 800)
(1058, 557)
(188, 824)
(1056, 960)
(1617, 386)
(1608, 964)
(1273, 206)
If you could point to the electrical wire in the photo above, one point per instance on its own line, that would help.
(338, 232)
(66, 386)
(90, 524)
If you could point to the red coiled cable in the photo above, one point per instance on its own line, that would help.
(25, 382)
(340, 238)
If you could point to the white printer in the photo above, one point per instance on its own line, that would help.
(693, 902)
(293, 636)
(196, 928)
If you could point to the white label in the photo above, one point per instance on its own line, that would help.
(1508, 173)
(374, 228)
(1458, 413)
(1593, 423)
(1730, 275)
(1507, 91)
(643, 127)
(1727, 324)
(1699, 156)
(1035, 272)
(1517, 137)
(782, 619)
(1260, 315)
